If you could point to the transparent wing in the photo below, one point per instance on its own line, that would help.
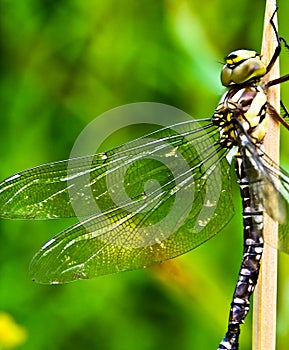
(273, 191)
(277, 200)
(53, 190)
(120, 240)
(141, 203)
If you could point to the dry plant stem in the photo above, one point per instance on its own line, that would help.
(264, 311)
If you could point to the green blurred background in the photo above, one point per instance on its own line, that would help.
(65, 62)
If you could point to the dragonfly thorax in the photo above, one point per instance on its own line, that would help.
(242, 66)
(242, 111)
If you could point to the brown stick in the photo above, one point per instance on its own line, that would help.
(264, 311)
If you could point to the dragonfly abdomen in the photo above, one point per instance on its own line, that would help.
(252, 254)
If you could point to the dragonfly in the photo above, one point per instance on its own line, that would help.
(188, 202)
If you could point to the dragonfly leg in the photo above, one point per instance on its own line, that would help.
(276, 54)
(279, 40)
(285, 110)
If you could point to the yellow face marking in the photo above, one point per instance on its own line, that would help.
(239, 56)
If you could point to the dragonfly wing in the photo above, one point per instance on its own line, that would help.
(279, 201)
(137, 235)
(140, 203)
(273, 191)
(38, 193)
(57, 189)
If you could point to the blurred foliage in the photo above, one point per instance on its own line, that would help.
(65, 62)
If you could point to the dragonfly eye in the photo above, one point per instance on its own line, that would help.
(242, 66)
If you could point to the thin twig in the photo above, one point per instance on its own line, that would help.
(264, 311)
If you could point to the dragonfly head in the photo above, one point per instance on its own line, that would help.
(242, 66)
